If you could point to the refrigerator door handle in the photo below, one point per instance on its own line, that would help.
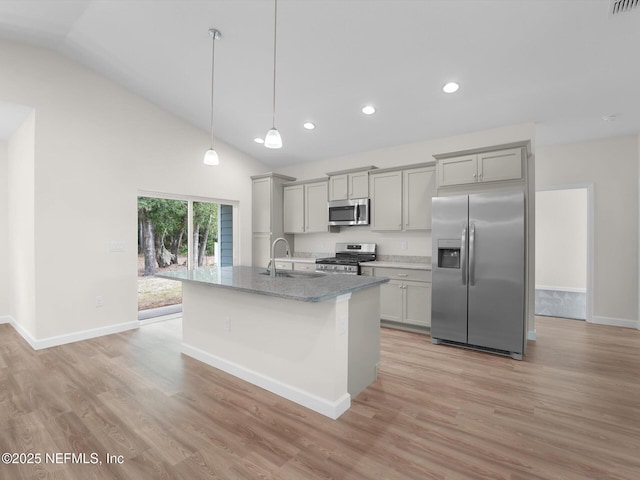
(463, 253)
(472, 256)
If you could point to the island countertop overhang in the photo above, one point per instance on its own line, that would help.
(253, 280)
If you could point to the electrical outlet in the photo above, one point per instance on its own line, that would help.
(403, 246)
(227, 324)
(99, 301)
(116, 246)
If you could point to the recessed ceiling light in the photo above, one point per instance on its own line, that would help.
(450, 87)
(368, 110)
(258, 140)
(309, 125)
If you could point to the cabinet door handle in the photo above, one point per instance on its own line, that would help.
(403, 274)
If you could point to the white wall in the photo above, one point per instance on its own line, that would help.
(4, 230)
(611, 165)
(96, 146)
(417, 243)
(561, 239)
(21, 224)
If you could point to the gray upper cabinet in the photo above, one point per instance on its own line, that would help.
(458, 170)
(315, 207)
(419, 186)
(501, 165)
(348, 186)
(339, 187)
(401, 199)
(386, 201)
(294, 209)
(261, 205)
(494, 166)
(305, 207)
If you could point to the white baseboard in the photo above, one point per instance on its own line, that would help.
(561, 289)
(25, 334)
(5, 319)
(39, 344)
(331, 409)
(615, 322)
(531, 335)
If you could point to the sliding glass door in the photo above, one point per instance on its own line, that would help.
(178, 234)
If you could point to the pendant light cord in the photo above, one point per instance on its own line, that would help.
(275, 30)
(213, 54)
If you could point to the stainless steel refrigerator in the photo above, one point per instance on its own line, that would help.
(478, 291)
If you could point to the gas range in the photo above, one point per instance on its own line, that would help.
(348, 258)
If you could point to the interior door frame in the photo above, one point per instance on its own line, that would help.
(589, 187)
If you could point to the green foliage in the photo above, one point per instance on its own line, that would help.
(167, 216)
(169, 221)
(206, 216)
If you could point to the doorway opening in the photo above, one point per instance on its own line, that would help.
(178, 234)
(564, 241)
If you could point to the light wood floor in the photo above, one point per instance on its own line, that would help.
(570, 410)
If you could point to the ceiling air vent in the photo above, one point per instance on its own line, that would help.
(622, 6)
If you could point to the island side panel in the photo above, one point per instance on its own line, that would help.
(364, 339)
(292, 348)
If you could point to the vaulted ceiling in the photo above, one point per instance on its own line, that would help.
(563, 64)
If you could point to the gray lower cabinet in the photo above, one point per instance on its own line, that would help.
(391, 300)
(406, 298)
(294, 264)
(284, 265)
(304, 266)
(261, 247)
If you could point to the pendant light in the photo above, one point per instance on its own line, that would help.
(272, 139)
(211, 156)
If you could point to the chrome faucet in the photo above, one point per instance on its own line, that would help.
(272, 262)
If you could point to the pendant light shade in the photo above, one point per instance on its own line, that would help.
(273, 139)
(211, 157)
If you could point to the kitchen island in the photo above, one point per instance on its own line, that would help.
(311, 338)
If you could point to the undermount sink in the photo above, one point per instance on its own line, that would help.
(292, 274)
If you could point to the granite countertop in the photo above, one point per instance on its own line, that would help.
(302, 287)
(412, 266)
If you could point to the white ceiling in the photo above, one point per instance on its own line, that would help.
(563, 64)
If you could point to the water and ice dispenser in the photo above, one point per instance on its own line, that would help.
(448, 253)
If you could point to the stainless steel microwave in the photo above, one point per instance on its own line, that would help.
(349, 212)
